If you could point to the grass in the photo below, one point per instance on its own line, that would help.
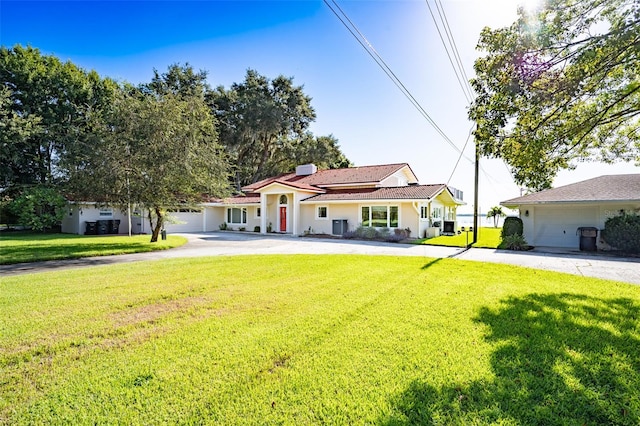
(318, 340)
(487, 238)
(22, 247)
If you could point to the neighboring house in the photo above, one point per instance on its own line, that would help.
(552, 217)
(323, 202)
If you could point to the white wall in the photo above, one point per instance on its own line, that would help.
(556, 225)
(75, 223)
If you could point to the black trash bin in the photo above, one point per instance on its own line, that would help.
(114, 226)
(163, 234)
(588, 235)
(102, 227)
(90, 228)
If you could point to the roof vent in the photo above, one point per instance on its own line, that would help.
(306, 170)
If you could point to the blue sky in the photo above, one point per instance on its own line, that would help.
(353, 99)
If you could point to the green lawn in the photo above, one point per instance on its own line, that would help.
(318, 340)
(22, 247)
(487, 238)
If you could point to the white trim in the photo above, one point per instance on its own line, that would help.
(388, 206)
(229, 215)
(326, 212)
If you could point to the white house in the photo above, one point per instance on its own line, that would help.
(318, 201)
(552, 217)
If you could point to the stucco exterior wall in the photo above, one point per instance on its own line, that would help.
(75, 223)
(214, 217)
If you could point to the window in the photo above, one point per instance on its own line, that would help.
(366, 218)
(393, 216)
(106, 212)
(424, 212)
(380, 216)
(283, 199)
(322, 212)
(258, 212)
(436, 212)
(236, 215)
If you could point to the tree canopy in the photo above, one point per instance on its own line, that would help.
(45, 109)
(263, 125)
(560, 86)
(157, 152)
(157, 145)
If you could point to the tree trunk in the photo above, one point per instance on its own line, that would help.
(158, 227)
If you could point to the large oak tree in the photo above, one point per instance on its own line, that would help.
(157, 151)
(560, 86)
(264, 127)
(45, 114)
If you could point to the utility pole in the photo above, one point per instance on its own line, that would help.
(475, 195)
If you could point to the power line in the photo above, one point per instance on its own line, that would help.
(362, 40)
(460, 156)
(465, 91)
(452, 41)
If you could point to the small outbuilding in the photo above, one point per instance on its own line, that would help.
(559, 217)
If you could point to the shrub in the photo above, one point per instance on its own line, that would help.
(395, 238)
(256, 229)
(7, 215)
(514, 242)
(383, 233)
(512, 226)
(223, 226)
(39, 208)
(623, 232)
(242, 229)
(402, 233)
(349, 235)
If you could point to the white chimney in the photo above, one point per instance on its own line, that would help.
(306, 170)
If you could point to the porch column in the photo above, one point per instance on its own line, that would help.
(296, 213)
(263, 213)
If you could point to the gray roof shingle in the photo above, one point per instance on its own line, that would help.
(603, 188)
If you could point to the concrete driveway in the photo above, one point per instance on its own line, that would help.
(230, 244)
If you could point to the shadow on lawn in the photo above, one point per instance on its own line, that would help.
(430, 264)
(27, 253)
(559, 359)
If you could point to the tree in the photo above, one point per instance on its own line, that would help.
(39, 207)
(259, 118)
(560, 86)
(496, 213)
(45, 106)
(180, 80)
(156, 151)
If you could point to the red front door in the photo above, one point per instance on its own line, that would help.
(283, 219)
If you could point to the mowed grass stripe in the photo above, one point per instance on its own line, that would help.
(317, 339)
(22, 247)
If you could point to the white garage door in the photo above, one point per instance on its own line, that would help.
(557, 226)
(184, 222)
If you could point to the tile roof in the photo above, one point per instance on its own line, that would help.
(297, 185)
(250, 198)
(345, 176)
(603, 188)
(411, 192)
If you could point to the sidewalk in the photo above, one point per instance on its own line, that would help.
(231, 244)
